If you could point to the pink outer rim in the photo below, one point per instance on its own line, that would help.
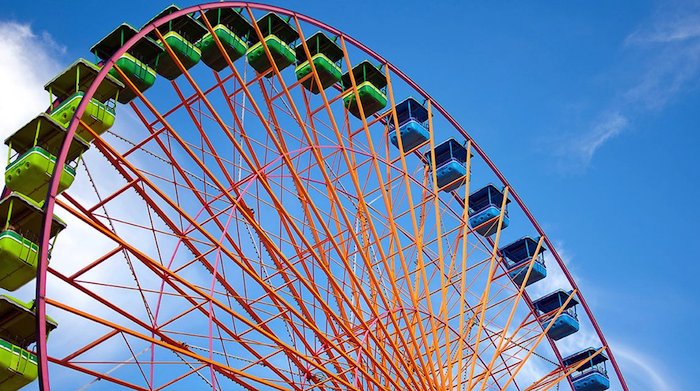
(50, 202)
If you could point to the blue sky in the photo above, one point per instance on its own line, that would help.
(590, 109)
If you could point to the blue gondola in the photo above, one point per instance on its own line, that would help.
(485, 208)
(518, 255)
(412, 118)
(567, 322)
(592, 375)
(450, 167)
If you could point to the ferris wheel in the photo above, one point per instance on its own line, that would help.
(251, 199)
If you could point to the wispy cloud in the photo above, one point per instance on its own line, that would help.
(602, 132)
(667, 28)
(669, 46)
(674, 41)
(575, 155)
(643, 372)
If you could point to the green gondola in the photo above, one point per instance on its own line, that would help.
(325, 55)
(277, 35)
(35, 145)
(370, 82)
(233, 31)
(137, 63)
(179, 34)
(69, 88)
(18, 321)
(18, 367)
(21, 224)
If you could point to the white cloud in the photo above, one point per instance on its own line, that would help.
(27, 63)
(29, 60)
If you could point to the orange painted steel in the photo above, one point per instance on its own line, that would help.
(162, 214)
(204, 99)
(298, 250)
(500, 347)
(297, 179)
(260, 113)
